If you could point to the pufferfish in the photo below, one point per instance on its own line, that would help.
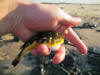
(52, 39)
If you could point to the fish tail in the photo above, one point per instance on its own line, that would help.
(21, 54)
(16, 61)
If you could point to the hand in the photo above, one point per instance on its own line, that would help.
(42, 17)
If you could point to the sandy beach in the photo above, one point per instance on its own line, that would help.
(91, 37)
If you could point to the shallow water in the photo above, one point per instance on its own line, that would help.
(68, 1)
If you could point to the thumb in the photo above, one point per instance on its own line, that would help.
(68, 20)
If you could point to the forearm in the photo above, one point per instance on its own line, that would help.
(10, 15)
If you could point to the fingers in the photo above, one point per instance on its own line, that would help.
(60, 55)
(41, 50)
(72, 37)
(68, 20)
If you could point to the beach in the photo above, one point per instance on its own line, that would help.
(91, 37)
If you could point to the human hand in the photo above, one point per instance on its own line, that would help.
(42, 17)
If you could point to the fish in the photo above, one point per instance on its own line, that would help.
(50, 38)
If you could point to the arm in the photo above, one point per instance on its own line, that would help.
(25, 19)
